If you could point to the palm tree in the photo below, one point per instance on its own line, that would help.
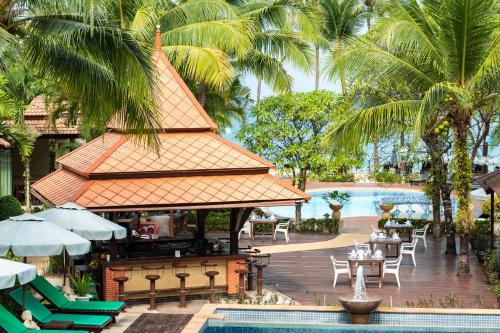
(446, 53)
(341, 19)
(279, 38)
(11, 109)
(92, 63)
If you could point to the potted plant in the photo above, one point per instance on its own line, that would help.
(81, 285)
(336, 201)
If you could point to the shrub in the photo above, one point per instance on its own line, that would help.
(9, 206)
(480, 235)
(386, 177)
(417, 223)
(323, 225)
(218, 220)
(336, 196)
(341, 178)
(487, 206)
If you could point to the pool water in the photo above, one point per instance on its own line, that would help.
(294, 321)
(362, 203)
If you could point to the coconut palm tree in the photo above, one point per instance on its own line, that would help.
(446, 52)
(282, 30)
(92, 63)
(341, 19)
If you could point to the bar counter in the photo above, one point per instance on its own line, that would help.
(137, 286)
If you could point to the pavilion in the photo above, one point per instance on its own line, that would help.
(196, 169)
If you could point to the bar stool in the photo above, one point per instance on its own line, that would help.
(251, 252)
(152, 277)
(241, 271)
(180, 272)
(261, 261)
(209, 270)
(121, 280)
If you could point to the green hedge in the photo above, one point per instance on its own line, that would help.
(341, 178)
(9, 206)
(417, 223)
(480, 236)
(218, 220)
(323, 225)
(386, 177)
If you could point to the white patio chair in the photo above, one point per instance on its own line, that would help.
(247, 229)
(392, 267)
(409, 249)
(421, 234)
(339, 267)
(283, 228)
(360, 246)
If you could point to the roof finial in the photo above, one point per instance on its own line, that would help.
(157, 38)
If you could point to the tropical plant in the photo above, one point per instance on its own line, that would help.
(81, 284)
(88, 60)
(342, 19)
(446, 52)
(336, 196)
(282, 29)
(9, 206)
(288, 130)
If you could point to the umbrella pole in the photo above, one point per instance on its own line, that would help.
(65, 267)
(24, 288)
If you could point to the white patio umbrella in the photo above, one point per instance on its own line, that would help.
(83, 222)
(12, 271)
(32, 236)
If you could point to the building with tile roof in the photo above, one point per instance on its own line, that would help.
(195, 168)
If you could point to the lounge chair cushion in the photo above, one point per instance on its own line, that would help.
(13, 325)
(43, 315)
(54, 296)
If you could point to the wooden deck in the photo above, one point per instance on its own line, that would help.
(307, 276)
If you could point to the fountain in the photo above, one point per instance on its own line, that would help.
(359, 305)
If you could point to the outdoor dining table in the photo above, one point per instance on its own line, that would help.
(367, 260)
(400, 228)
(388, 242)
(271, 222)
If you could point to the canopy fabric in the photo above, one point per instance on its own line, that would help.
(83, 222)
(10, 271)
(32, 236)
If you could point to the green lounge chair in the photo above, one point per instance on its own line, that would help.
(94, 323)
(10, 324)
(62, 304)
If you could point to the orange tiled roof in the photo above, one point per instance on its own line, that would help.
(167, 192)
(194, 168)
(179, 152)
(178, 109)
(37, 114)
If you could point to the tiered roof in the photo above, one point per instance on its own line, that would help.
(195, 167)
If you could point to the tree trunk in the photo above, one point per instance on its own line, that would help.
(316, 83)
(376, 158)
(301, 185)
(259, 88)
(463, 180)
(451, 246)
(202, 93)
(27, 177)
(436, 206)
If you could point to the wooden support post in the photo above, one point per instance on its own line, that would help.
(492, 219)
(201, 216)
(238, 217)
(171, 224)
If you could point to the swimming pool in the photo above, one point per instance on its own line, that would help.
(309, 321)
(363, 202)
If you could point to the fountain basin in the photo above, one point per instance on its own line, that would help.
(360, 311)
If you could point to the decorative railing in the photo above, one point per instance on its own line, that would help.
(417, 205)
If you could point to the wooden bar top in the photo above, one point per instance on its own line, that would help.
(167, 260)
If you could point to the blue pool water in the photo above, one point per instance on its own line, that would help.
(362, 203)
(272, 321)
